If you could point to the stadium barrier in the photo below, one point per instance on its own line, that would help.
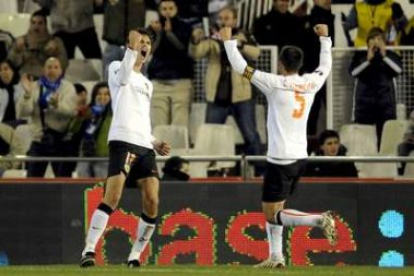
(205, 223)
(244, 160)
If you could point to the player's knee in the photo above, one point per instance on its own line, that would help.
(113, 199)
(152, 201)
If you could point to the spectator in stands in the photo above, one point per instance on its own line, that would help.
(407, 146)
(72, 21)
(6, 41)
(330, 145)
(10, 145)
(407, 35)
(226, 91)
(10, 91)
(374, 72)
(119, 17)
(176, 169)
(29, 52)
(51, 103)
(171, 68)
(92, 127)
(386, 15)
(278, 27)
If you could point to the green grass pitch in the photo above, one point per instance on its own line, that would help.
(190, 270)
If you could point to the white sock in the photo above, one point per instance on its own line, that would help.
(96, 229)
(144, 234)
(274, 237)
(291, 217)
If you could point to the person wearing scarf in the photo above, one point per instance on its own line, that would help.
(50, 103)
(10, 91)
(90, 129)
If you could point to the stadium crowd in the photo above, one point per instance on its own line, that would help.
(62, 122)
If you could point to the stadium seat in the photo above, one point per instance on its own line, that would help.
(80, 70)
(377, 170)
(177, 136)
(409, 169)
(214, 139)
(361, 140)
(89, 86)
(392, 135)
(15, 23)
(197, 118)
(12, 173)
(237, 134)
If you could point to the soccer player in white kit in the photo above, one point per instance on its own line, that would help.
(290, 98)
(131, 148)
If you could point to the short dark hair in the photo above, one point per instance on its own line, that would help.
(292, 58)
(40, 13)
(376, 31)
(79, 88)
(96, 89)
(326, 134)
(146, 32)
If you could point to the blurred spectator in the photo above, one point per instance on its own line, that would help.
(29, 52)
(92, 127)
(330, 145)
(407, 146)
(72, 21)
(374, 71)
(386, 15)
(72, 139)
(6, 41)
(226, 91)
(171, 68)
(51, 104)
(10, 145)
(278, 27)
(320, 14)
(176, 169)
(407, 35)
(120, 17)
(10, 91)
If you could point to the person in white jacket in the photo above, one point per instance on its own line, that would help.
(290, 97)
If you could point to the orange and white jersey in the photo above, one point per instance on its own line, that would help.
(289, 99)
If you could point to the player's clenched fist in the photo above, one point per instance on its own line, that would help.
(225, 33)
(321, 30)
(134, 39)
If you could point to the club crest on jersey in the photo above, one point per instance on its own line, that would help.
(128, 162)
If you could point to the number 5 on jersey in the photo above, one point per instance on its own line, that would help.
(298, 112)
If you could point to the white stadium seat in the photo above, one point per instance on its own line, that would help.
(177, 136)
(360, 140)
(392, 135)
(197, 118)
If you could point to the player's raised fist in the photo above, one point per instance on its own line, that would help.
(321, 30)
(134, 40)
(225, 33)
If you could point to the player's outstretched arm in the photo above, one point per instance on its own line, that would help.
(123, 74)
(264, 81)
(325, 57)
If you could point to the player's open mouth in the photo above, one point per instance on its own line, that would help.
(143, 53)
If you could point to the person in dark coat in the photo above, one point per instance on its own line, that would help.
(330, 145)
(375, 71)
(176, 169)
